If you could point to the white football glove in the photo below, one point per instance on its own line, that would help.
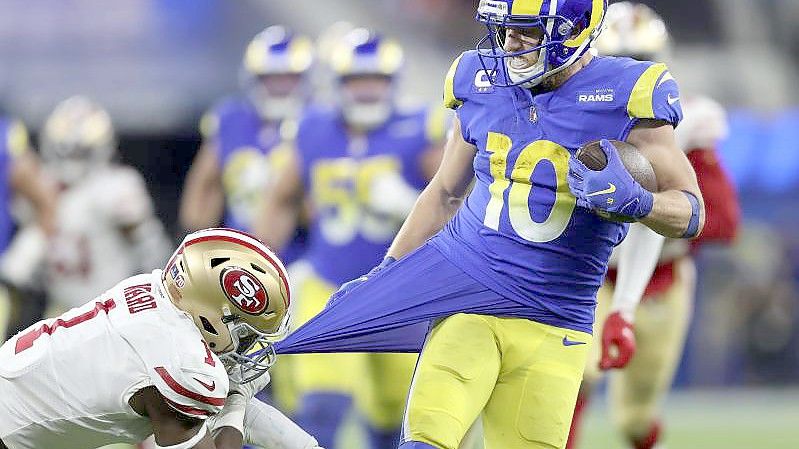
(232, 414)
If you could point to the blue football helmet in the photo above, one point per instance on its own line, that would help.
(274, 68)
(364, 55)
(568, 28)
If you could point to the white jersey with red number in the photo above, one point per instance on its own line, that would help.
(90, 253)
(65, 382)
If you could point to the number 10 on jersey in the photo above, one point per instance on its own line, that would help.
(521, 187)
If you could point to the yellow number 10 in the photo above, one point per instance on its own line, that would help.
(499, 146)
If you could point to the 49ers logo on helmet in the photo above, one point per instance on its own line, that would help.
(244, 290)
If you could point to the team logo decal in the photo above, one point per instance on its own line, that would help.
(244, 290)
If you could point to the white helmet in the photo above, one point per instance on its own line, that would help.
(634, 30)
(77, 136)
(237, 292)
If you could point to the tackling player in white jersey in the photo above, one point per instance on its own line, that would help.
(160, 354)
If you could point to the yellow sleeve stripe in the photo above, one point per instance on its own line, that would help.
(640, 103)
(436, 124)
(450, 101)
(17, 139)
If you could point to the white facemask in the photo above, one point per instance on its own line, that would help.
(276, 109)
(366, 116)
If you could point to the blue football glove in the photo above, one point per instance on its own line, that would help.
(611, 189)
(349, 285)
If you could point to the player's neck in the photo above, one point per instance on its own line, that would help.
(558, 79)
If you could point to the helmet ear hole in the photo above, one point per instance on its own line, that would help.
(216, 261)
(208, 326)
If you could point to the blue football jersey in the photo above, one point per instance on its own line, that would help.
(338, 168)
(519, 232)
(13, 142)
(248, 152)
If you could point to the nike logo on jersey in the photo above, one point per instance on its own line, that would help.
(567, 342)
(210, 387)
(672, 100)
(611, 188)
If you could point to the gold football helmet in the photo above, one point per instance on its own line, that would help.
(634, 30)
(77, 136)
(237, 292)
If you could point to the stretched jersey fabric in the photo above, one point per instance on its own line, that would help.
(248, 152)
(338, 171)
(519, 232)
(65, 382)
(13, 142)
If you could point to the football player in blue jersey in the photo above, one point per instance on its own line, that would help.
(361, 165)
(241, 135)
(508, 271)
(21, 175)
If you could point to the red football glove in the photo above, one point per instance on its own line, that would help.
(618, 342)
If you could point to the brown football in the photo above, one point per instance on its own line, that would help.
(637, 165)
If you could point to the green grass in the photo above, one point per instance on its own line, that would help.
(732, 419)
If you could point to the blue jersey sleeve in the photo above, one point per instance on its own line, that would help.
(655, 95)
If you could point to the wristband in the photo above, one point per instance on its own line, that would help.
(693, 224)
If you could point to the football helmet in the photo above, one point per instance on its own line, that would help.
(634, 30)
(237, 292)
(568, 27)
(366, 65)
(77, 137)
(275, 67)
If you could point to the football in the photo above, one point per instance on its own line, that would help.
(637, 165)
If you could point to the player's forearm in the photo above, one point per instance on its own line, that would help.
(228, 438)
(201, 208)
(672, 213)
(638, 257)
(434, 208)
(277, 223)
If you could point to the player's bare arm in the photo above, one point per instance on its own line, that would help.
(282, 206)
(26, 180)
(172, 429)
(441, 199)
(203, 199)
(672, 209)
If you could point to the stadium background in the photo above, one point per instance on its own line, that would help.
(157, 65)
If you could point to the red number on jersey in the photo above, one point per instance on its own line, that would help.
(209, 359)
(26, 340)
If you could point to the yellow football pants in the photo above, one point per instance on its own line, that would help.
(661, 325)
(378, 382)
(517, 373)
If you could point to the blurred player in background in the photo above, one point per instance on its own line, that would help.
(20, 176)
(241, 136)
(178, 353)
(106, 227)
(661, 322)
(361, 164)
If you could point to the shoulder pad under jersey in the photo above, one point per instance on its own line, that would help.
(178, 362)
(650, 90)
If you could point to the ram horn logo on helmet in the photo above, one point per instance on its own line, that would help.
(244, 290)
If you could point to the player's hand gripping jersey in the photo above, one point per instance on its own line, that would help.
(520, 232)
(65, 382)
